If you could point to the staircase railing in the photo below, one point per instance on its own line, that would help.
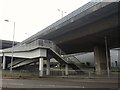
(72, 59)
(52, 46)
(15, 63)
(67, 58)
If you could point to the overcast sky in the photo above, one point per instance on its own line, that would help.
(31, 16)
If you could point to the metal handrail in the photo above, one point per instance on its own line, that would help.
(74, 60)
(47, 44)
(72, 56)
(53, 46)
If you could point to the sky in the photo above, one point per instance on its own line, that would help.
(31, 16)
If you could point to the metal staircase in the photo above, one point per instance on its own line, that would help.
(60, 55)
(26, 62)
(20, 63)
(52, 49)
(16, 62)
(73, 62)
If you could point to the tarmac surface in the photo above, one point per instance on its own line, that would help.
(108, 83)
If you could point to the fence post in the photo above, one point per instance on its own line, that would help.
(89, 74)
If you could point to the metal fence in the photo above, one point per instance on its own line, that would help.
(57, 72)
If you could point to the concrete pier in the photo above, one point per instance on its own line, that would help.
(40, 67)
(4, 62)
(48, 67)
(100, 60)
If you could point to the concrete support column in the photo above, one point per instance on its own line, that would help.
(109, 60)
(4, 62)
(48, 67)
(100, 60)
(66, 69)
(40, 67)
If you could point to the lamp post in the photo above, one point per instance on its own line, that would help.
(62, 12)
(106, 47)
(27, 34)
(12, 43)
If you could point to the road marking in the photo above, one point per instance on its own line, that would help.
(63, 86)
(46, 86)
(14, 83)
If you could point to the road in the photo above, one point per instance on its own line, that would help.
(59, 83)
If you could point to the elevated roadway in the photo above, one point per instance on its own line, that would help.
(6, 44)
(85, 28)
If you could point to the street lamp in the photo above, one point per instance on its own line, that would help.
(12, 43)
(62, 12)
(106, 47)
(27, 34)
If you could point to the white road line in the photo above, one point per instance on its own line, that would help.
(46, 86)
(14, 83)
(62, 86)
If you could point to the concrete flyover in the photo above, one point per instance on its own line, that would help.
(6, 44)
(85, 30)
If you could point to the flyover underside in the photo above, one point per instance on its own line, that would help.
(87, 44)
(85, 38)
(85, 33)
(85, 30)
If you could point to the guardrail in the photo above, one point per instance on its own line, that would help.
(57, 72)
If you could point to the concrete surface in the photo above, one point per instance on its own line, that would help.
(60, 83)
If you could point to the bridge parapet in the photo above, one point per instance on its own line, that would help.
(39, 43)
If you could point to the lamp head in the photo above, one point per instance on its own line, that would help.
(7, 20)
